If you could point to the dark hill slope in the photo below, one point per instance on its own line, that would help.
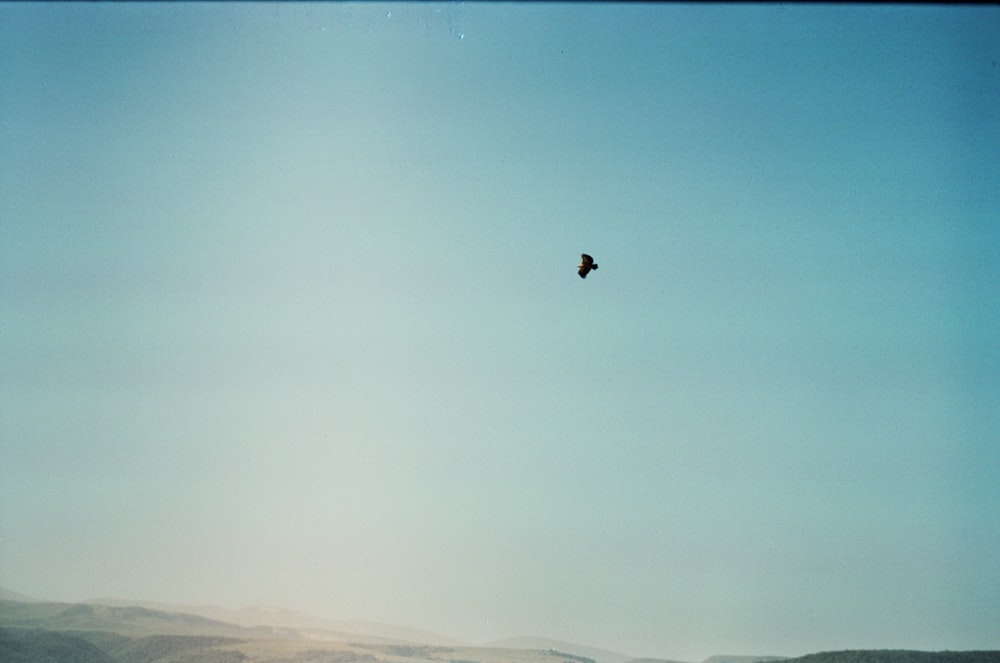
(170, 647)
(898, 656)
(32, 646)
(40, 646)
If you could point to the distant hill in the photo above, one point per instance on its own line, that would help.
(8, 595)
(545, 644)
(46, 632)
(129, 621)
(302, 623)
(95, 633)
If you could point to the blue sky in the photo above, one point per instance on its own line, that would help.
(291, 317)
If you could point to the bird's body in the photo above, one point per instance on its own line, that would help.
(586, 264)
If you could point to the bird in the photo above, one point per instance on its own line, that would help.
(586, 264)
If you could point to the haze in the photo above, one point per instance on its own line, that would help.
(290, 316)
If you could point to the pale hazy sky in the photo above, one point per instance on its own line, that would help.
(289, 315)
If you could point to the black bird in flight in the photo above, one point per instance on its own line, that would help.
(586, 264)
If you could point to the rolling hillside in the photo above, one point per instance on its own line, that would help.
(128, 621)
(93, 633)
(44, 632)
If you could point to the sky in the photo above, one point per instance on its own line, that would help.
(289, 316)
